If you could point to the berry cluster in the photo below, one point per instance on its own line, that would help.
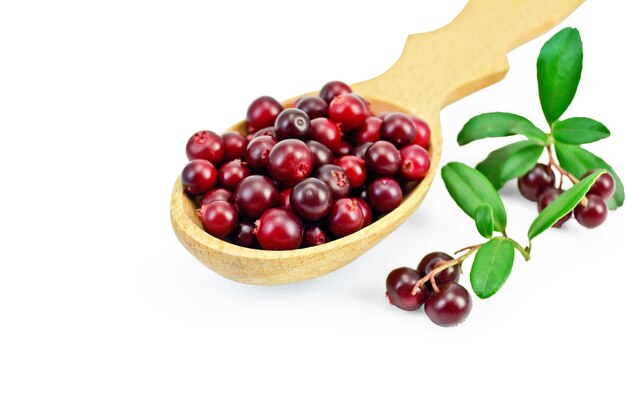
(322, 169)
(538, 185)
(409, 289)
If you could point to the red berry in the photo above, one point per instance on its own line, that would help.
(349, 111)
(345, 217)
(234, 145)
(271, 131)
(311, 199)
(344, 149)
(360, 150)
(258, 152)
(400, 283)
(332, 89)
(284, 197)
(292, 123)
(206, 145)
(198, 177)
(384, 194)
(231, 173)
(314, 107)
(262, 113)
(355, 170)
(314, 235)
(365, 208)
(335, 178)
(593, 214)
(290, 161)
(243, 235)
(382, 158)
(218, 218)
(414, 162)
(279, 230)
(432, 261)
(398, 129)
(254, 195)
(422, 132)
(450, 306)
(326, 132)
(368, 132)
(604, 186)
(547, 197)
(536, 181)
(217, 194)
(321, 153)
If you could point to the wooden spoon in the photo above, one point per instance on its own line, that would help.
(434, 70)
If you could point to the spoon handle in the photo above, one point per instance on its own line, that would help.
(443, 66)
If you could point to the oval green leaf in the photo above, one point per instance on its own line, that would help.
(579, 130)
(509, 162)
(498, 124)
(562, 205)
(484, 220)
(470, 189)
(492, 265)
(559, 67)
(579, 161)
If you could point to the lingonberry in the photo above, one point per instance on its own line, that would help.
(384, 194)
(314, 235)
(321, 153)
(290, 161)
(254, 195)
(400, 283)
(262, 113)
(258, 152)
(536, 181)
(335, 178)
(355, 170)
(382, 158)
(593, 214)
(547, 197)
(279, 230)
(235, 145)
(368, 132)
(345, 217)
(292, 123)
(216, 194)
(367, 211)
(422, 132)
(414, 162)
(284, 198)
(332, 89)
(398, 129)
(344, 149)
(326, 132)
(311, 199)
(206, 145)
(271, 131)
(450, 306)
(314, 107)
(230, 174)
(218, 218)
(360, 150)
(243, 235)
(604, 186)
(349, 111)
(198, 177)
(432, 261)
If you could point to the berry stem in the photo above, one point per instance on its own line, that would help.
(553, 163)
(440, 266)
(524, 251)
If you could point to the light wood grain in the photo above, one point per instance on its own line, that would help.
(434, 70)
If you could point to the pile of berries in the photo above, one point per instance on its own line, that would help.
(447, 305)
(303, 176)
(538, 185)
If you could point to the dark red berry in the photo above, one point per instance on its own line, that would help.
(368, 132)
(262, 113)
(365, 208)
(432, 261)
(321, 153)
(360, 150)
(384, 194)
(593, 214)
(382, 158)
(311, 199)
(344, 149)
(234, 145)
(231, 173)
(536, 181)
(422, 132)
(198, 177)
(547, 197)
(604, 186)
(206, 145)
(218, 218)
(217, 194)
(349, 111)
(258, 152)
(243, 235)
(284, 197)
(332, 89)
(414, 162)
(335, 178)
(271, 131)
(355, 170)
(400, 283)
(314, 235)
(382, 115)
(292, 123)
(254, 195)
(450, 306)
(345, 217)
(290, 161)
(398, 129)
(279, 230)
(314, 107)
(326, 132)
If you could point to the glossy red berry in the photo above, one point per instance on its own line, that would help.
(344, 149)
(355, 170)
(368, 132)
(414, 162)
(314, 107)
(360, 150)
(218, 218)
(383, 159)
(349, 111)
(326, 132)
(536, 181)
(311, 199)
(284, 198)
(422, 132)
(279, 230)
(271, 131)
(198, 177)
(254, 195)
(432, 261)
(345, 217)
(206, 145)
(398, 129)
(400, 283)
(243, 235)
(335, 178)
(290, 161)
(262, 113)
(604, 185)
(314, 235)
(332, 89)
(547, 197)
(593, 214)
(234, 145)
(450, 306)
(367, 211)
(384, 194)
(321, 153)
(258, 152)
(292, 123)
(230, 174)
(216, 194)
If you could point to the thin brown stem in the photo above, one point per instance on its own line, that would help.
(553, 163)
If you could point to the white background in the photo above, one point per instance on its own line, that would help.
(103, 311)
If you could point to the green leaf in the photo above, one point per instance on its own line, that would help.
(579, 161)
(498, 124)
(509, 162)
(484, 220)
(492, 266)
(559, 66)
(562, 205)
(579, 130)
(470, 189)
